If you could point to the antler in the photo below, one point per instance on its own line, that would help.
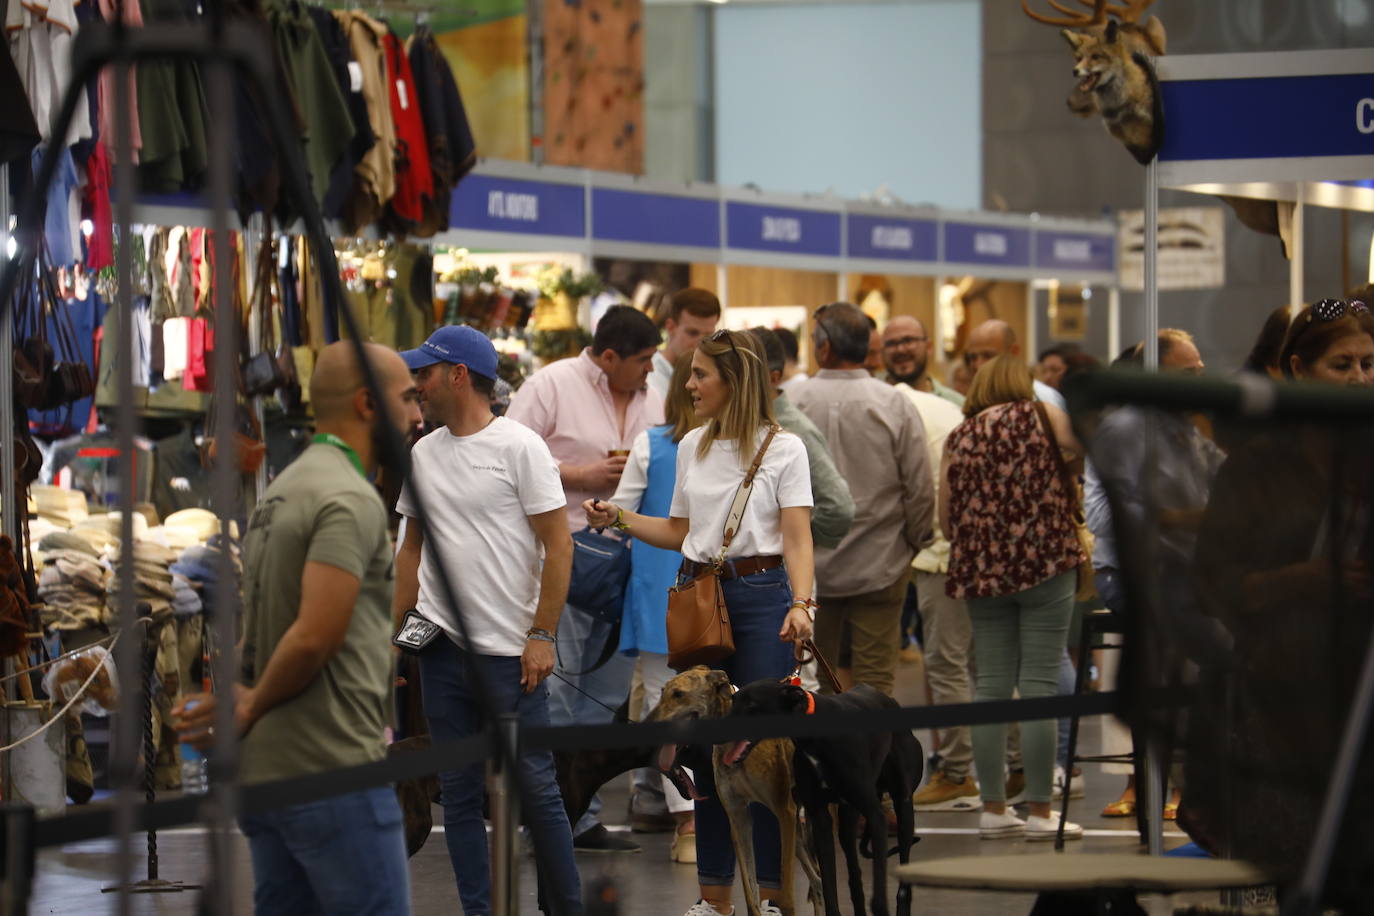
(1073, 19)
(1128, 13)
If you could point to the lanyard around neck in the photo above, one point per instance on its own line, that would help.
(331, 439)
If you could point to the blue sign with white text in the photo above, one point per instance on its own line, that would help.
(495, 204)
(1269, 117)
(782, 229)
(1000, 246)
(655, 219)
(1075, 251)
(893, 239)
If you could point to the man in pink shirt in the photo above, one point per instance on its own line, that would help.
(589, 411)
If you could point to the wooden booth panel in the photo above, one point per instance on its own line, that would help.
(772, 286)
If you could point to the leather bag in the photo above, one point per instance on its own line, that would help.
(248, 445)
(1086, 587)
(600, 570)
(699, 630)
(263, 373)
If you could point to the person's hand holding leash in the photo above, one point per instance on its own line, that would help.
(798, 625)
(600, 513)
(536, 663)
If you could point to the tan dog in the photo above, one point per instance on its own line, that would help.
(764, 777)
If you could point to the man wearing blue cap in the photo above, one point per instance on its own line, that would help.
(495, 506)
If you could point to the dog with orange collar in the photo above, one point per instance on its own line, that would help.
(853, 772)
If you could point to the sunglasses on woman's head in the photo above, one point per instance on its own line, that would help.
(1332, 309)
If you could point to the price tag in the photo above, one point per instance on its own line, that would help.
(355, 76)
(403, 95)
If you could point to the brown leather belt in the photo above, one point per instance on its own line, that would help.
(733, 569)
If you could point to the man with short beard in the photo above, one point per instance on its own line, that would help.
(316, 690)
(906, 354)
(495, 505)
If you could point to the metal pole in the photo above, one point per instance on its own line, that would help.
(1295, 266)
(9, 496)
(1032, 323)
(1113, 323)
(1151, 265)
(505, 819)
(124, 759)
(226, 486)
(9, 515)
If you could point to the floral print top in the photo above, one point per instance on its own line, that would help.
(1010, 518)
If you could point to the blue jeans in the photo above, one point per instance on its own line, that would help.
(453, 711)
(758, 605)
(342, 855)
(1018, 644)
(580, 639)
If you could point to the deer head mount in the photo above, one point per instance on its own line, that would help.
(1112, 64)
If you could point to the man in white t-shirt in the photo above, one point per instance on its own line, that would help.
(491, 492)
(693, 318)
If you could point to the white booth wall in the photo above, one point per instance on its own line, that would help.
(810, 97)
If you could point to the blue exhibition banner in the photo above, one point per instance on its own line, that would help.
(1080, 251)
(999, 246)
(655, 219)
(1268, 117)
(782, 229)
(494, 204)
(893, 239)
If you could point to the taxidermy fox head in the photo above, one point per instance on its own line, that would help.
(1112, 69)
(1100, 56)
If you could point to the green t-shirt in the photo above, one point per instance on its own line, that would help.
(320, 509)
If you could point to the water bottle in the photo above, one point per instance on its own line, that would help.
(195, 770)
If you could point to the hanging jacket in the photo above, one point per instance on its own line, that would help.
(375, 176)
(18, 131)
(327, 127)
(340, 55)
(414, 181)
(452, 151)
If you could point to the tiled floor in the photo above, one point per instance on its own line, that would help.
(70, 879)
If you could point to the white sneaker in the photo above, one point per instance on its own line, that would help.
(702, 908)
(1075, 791)
(997, 826)
(1039, 829)
(770, 910)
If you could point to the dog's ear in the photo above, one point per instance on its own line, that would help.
(719, 681)
(793, 698)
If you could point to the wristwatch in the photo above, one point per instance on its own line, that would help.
(540, 634)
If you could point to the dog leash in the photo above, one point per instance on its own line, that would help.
(805, 653)
(583, 692)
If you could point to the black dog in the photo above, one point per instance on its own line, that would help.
(851, 771)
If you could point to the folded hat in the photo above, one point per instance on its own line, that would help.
(65, 540)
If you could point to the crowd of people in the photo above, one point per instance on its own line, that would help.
(884, 502)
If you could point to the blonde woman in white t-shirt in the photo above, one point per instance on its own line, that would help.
(768, 563)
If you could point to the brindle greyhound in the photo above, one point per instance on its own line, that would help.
(764, 777)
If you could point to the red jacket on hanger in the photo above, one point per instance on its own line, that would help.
(414, 180)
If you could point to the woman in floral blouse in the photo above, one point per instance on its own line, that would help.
(1013, 556)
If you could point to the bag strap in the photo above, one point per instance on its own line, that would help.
(1065, 475)
(746, 487)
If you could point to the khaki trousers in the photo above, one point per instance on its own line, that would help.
(870, 624)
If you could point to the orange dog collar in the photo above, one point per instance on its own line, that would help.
(810, 703)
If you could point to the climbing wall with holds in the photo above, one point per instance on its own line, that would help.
(594, 84)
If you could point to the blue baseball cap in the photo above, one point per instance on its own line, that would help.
(457, 344)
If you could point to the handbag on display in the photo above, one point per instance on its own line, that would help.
(263, 372)
(600, 571)
(699, 630)
(249, 446)
(1086, 588)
